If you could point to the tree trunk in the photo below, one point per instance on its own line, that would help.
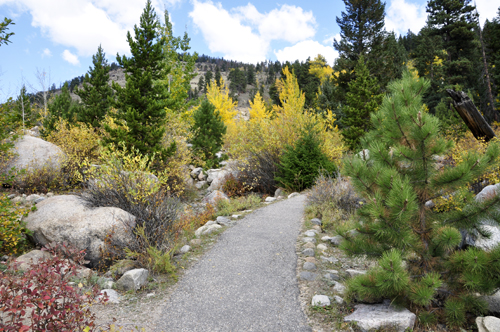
(471, 116)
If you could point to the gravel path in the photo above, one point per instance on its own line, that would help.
(247, 281)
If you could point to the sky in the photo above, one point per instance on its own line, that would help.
(55, 39)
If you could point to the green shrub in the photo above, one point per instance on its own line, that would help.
(300, 164)
(208, 130)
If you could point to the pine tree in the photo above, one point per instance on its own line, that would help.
(177, 68)
(361, 33)
(62, 106)
(141, 104)
(201, 84)
(362, 99)
(208, 131)
(96, 92)
(491, 35)
(301, 163)
(454, 21)
(417, 247)
(4, 35)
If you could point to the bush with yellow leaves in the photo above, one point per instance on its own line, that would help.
(259, 142)
(463, 144)
(12, 229)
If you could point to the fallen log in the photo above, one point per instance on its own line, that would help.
(470, 115)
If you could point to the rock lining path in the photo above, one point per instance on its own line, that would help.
(247, 281)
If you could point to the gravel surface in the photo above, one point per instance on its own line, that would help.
(247, 281)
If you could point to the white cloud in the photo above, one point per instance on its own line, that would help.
(245, 34)
(487, 9)
(46, 53)
(329, 39)
(84, 24)
(305, 49)
(403, 15)
(70, 57)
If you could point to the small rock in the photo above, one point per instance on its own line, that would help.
(11, 196)
(320, 301)
(309, 245)
(493, 302)
(113, 296)
(235, 216)
(326, 238)
(336, 240)
(377, 316)
(338, 287)
(309, 266)
(331, 276)
(308, 252)
(316, 221)
(133, 279)
(338, 299)
(195, 172)
(38, 200)
(310, 233)
(224, 221)
(270, 199)
(309, 239)
(17, 199)
(332, 260)
(108, 284)
(185, 249)
(430, 204)
(321, 247)
(293, 195)
(195, 242)
(354, 273)
(32, 198)
(278, 193)
(200, 230)
(210, 229)
(214, 196)
(488, 324)
(49, 195)
(83, 272)
(311, 260)
(32, 258)
(150, 294)
(318, 228)
(202, 176)
(201, 184)
(210, 222)
(308, 276)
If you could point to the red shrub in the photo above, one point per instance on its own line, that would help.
(42, 299)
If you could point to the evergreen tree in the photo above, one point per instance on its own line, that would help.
(388, 61)
(217, 76)
(251, 75)
(301, 163)
(201, 84)
(208, 131)
(177, 68)
(96, 92)
(417, 247)
(361, 33)
(362, 100)
(491, 35)
(141, 103)
(62, 106)
(454, 21)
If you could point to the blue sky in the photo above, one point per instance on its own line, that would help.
(59, 37)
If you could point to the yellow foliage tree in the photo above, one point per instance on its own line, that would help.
(321, 69)
(218, 95)
(258, 109)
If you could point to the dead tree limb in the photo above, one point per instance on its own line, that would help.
(471, 116)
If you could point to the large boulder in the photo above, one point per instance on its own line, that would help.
(35, 153)
(489, 225)
(216, 178)
(67, 218)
